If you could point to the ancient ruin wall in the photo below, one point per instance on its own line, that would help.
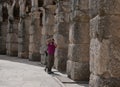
(104, 43)
(78, 52)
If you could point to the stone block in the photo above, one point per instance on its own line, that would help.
(114, 61)
(2, 46)
(78, 71)
(94, 27)
(61, 59)
(48, 29)
(99, 56)
(62, 28)
(31, 30)
(81, 16)
(78, 53)
(46, 2)
(94, 7)
(12, 38)
(20, 47)
(99, 81)
(79, 33)
(103, 7)
(109, 7)
(114, 25)
(43, 39)
(23, 55)
(60, 41)
(104, 43)
(20, 40)
(102, 27)
(31, 47)
(14, 47)
(31, 39)
(34, 56)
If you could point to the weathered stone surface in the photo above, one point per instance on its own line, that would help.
(104, 45)
(61, 35)
(97, 81)
(78, 71)
(48, 29)
(48, 21)
(35, 38)
(78, 52)
(109, 7)
(3, 37)
(61, 59)
(79, 33)
(103, 7)
(11, 49)
(43, 48)
(46, 2)
(94, 7)
(12, 40)
(70, 20)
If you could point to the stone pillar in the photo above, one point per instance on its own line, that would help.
(35, 37)
(1, 36)
(48, 26)
(62, 35)
(12, 38)
(23, 47)
(78, 52)
(43, 47)
(105, 43)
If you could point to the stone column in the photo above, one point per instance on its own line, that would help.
(62, 35)
(35, 37)
(48, 26)
(105, 43)
(22, 32)
(78, 52)
(3, 30)
(43, 47)
(1, 39)
(12, 38)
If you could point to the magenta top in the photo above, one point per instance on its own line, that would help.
(51, 48)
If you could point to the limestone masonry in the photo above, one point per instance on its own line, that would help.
(87, 34)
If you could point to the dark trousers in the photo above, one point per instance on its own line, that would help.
(50, 62)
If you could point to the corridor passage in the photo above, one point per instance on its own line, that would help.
(15, 72)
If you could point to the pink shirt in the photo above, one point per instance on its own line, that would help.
(51, 48)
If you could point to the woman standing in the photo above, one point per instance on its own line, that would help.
(51, 50)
